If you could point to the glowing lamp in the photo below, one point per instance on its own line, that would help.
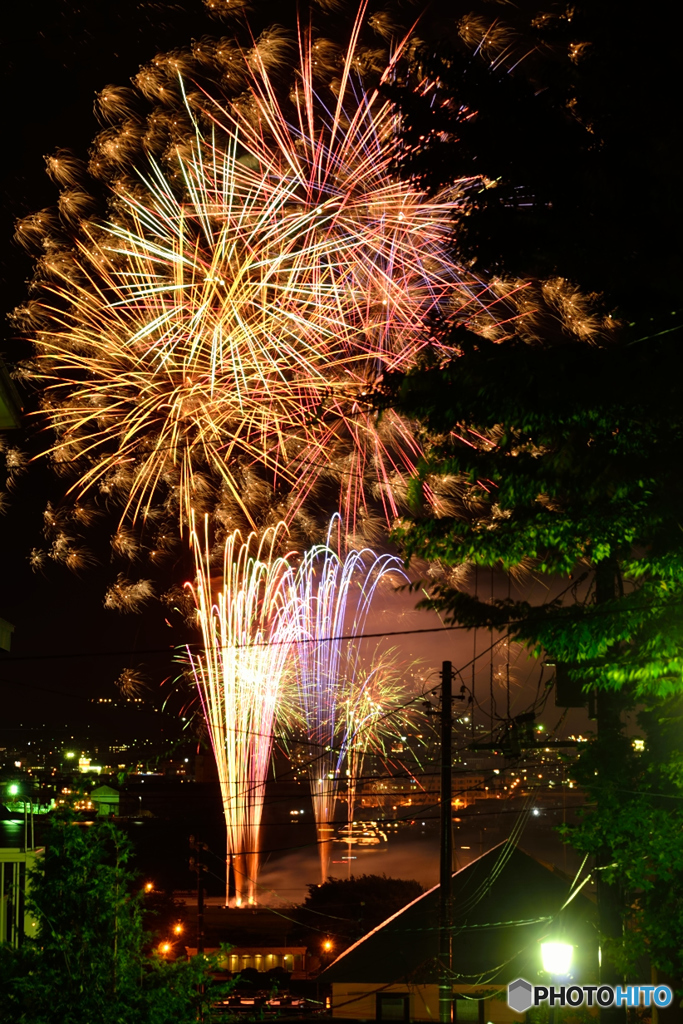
(177, 929)
(327, 945)
(556, 957)
(165, 948)
(149, 886)
(13, 789)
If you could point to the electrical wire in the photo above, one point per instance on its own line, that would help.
(650, 606)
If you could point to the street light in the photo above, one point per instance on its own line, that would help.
(164, 948)
(13, 790)
(149, 886)
(177, 929)
(557, 958)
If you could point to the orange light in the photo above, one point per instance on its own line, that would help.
(165, 947)
(327, 945)
(177, 929)
(149, 886)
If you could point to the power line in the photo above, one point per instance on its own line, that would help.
(499, 627)
(262, 643)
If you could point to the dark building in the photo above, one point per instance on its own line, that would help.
(505, 904)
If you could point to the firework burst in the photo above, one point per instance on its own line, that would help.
(244, 297)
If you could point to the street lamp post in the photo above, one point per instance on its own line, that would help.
(557, 960)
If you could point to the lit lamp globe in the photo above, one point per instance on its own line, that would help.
(557, 958)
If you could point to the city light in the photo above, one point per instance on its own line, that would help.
(149, 886)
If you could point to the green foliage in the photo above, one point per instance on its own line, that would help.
(345, 909)
(637, 814)
(560, 458)
(565, 459)
(89, 962)
(546, 453)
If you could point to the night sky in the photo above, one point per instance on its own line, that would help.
(57, 56)
(67, 648)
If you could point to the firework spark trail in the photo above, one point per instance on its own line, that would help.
(259, 632)
(375, 693)
(241, 683)
(342, 700)
(240, 313)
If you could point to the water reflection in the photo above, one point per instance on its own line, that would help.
(12, 832)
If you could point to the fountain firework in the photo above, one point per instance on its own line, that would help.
(281, 646)
(346, 687)
(241, 675)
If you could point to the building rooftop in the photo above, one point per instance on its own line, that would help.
(504, 903)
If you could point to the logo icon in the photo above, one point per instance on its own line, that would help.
(520, 995)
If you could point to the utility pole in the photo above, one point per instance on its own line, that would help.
(198, 867)
(446, 860)
(608, 707)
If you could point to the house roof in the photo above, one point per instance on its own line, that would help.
(504, 903)
(104, 792)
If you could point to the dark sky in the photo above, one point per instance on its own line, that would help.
(53, 60)
(54, 57)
